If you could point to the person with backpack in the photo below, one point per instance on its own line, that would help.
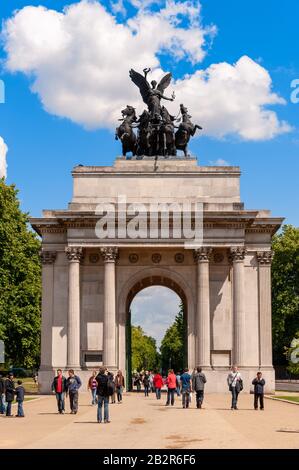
(171, 387)
(103, 395)
(235, 385)
(186, 388)
(198, 385)
(111, 386)
(119, 384)
(59, 386)
(9, 393)
(259, 384)
(73, 383)
(146, 383)
(92, 386)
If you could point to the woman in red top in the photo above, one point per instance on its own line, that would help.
(171, 387)
(158, 384)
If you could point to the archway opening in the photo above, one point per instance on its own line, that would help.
(156, 327)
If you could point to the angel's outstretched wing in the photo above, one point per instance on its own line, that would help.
(165, 82)
(142, 83)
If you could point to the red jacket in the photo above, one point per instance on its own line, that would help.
(171, 381)
(158, 381)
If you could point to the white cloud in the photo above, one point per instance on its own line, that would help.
(219, 162)
(78, 61)
(3, 164)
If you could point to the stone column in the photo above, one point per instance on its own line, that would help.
(237, 255)
(47, 259)
(203, 343)
(109, 255)
(265, 311)
(74, 255)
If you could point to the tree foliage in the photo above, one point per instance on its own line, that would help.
(173, 344)
(285, 290)
(20, 282)
(144, 350)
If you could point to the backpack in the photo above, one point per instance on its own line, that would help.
(110, 387)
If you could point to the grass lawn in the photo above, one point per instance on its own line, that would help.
(29, 385)
(287, 397)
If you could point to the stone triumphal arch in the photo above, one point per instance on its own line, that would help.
(89, 280)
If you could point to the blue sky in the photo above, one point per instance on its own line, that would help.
(64, 120)
(43, 148)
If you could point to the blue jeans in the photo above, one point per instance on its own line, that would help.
(94, 396)
(158, 393)
(60, 401)
(170, 396)
(2, 404)
(119, 394)
(8, 408)
(178, 391)
(20, 408)
(103, 400)
(235, 394)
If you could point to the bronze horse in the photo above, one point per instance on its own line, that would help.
(125, 131)
(186, 130)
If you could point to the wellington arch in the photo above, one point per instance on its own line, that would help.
(224, 282)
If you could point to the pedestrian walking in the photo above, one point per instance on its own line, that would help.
(235, 385)
(2, 395)
(103, 395)
(20, 396)
(158, 384)
(9, 386)
(73, 383)
(178, 384)
(119, 384)
(59, 386)
(171, 387)
(186, 388)
(92, 386)
(259, 384)
(137, 382)
(198, 385)
(151, 380)
(146, 383)
(111, 386)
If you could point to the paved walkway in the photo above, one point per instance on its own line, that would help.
(146, 423)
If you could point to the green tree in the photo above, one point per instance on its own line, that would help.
(173, 344)
(292, 354)
(20, 282)
(285, 290)
(144, 350)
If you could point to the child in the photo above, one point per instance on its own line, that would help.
(20, 393)
(259, 384)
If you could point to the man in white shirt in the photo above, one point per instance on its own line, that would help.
(235, 384)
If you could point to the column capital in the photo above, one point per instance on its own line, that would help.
(74, 253)
(237, 253)
(202, 254)
(265, 257)
(109, 253)
(48, 257)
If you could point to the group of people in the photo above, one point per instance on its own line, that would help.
(9, 392)
(184, 384)
(102, 385)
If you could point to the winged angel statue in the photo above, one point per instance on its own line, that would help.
(151, 93)
(155, 126)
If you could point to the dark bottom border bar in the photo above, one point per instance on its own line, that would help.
(136, 458)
